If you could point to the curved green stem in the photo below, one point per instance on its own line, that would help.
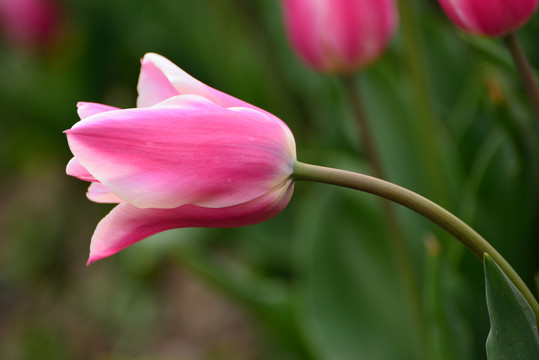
(443, 218)
(524, 71)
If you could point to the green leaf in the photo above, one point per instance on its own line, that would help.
(513, 332)
(350, 304)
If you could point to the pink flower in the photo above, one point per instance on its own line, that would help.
(339, 36)
(489, 17)
(187, 156)
(29, 23)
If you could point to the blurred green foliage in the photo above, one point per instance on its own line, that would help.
(319, 280)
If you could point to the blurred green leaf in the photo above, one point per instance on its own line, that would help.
(351, 305)
(449, 333)
(490, 49)
(513, 333)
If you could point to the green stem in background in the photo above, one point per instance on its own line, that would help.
(365, 132)
(396, 237)
(524, 71)
(427, 128)
(443, 218)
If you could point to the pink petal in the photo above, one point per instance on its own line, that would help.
(126, 224)
(489, 17)
(76, 169)
(304, 20)
(361, 30)
(154, 87)
(99, 193)
(187, 150)
(87, 109)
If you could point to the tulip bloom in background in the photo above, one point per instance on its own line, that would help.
(499, 18)
(187, 156)
(339, 36)
(29, 23)
(489, 17)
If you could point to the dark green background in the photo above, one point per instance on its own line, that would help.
(319, 280)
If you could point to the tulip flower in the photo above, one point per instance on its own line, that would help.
(339, 36)
(187, 156)
(29, 23)
(492, 18)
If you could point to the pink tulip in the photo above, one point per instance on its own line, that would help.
(29, 23)
(489, 17)
(187, 156)
(340, 36)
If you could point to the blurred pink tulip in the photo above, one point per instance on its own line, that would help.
(187, 156)
(339, 36)
(29, 23)
(489, 17)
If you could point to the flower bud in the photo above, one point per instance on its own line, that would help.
(492, 18)
(29, 23)
(339, 36)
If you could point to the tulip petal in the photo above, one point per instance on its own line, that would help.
(99, 193)
(194, 152)
(361, 30)
(305, 25)
(159, 77)
(153, 86)
(76, 169)
(126, 224)
(489, 17)
(87, 109)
